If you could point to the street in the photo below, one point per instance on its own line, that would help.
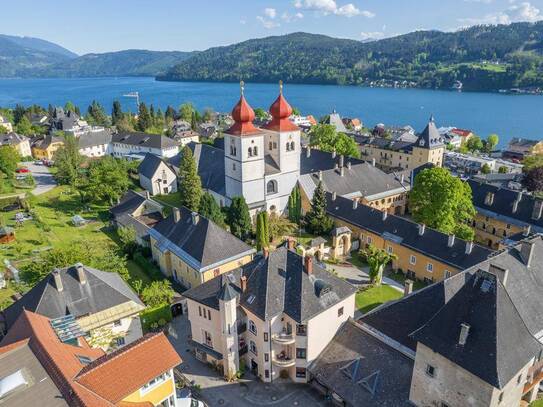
(44, 179)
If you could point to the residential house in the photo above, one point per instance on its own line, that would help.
(391, 155)
(519, 148)
(302, 121)
(157, 176)
(102, 303)
(467, 164)
(353, 124)
(335, 120)
(65, 120)
(44, 148)
(192, 249)
(135, 145)
(276, 313)
(185, 137)
(207, 129)
(95, 143)
(503, 212)
(136, 210)
(19, 142)
(6, 124)
(422, 253)
(181, 126)
(43, 364)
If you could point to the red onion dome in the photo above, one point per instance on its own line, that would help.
(281, 111)
(243, 115)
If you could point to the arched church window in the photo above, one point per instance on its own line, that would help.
(255, 151)
(288, 146)
(292, 146)
(250, 151)
(271, 187)
(271, 145)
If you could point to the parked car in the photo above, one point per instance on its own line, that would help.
(22, 170)
(38, 162)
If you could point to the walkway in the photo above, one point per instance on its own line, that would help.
(359, 276)
(44, 179)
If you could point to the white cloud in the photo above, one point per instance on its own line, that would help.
(243, 22)
(524, 11)
(270, 12)
(289, 17)
(327, 7)
(373, 35)
(269, 24)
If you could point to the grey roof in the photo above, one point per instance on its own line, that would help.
(354, 363)
(202, 245)
(149, 165)
(46, 141)
(321, 161)
(144, 140)
(502, 205)
(430, 137)
(335, 120)
(432, 243)
(102, 291)
(11, 139)
(278, 284)
(523, 142)
(316, 242)
(40, 390)
(505, 319)
(94, 138)
(227, 292)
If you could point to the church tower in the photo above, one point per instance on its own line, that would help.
(244, 155)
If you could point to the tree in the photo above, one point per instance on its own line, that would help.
(491, 142)
(262, 236)
(474, 143)
(3, 130)
(443, 202)
(485, 169)
(295, 205)
(326, 138)
(377, 259)
(296, 111)
(316, 220)
(190, 183)
(157, 293)
(24, 127)
(260, 113)
(238, 218)
(533, 179)
(144, 118)
(346, 145)
(9, 159)
(186, 111)
(128, 237)
(68, 161)
(116, 113)
(70, 107)
(503, 169)
(531, 162)
(280, 226)
(211, 210)
(108, 179)
(208, 115)
(97, 115)
(170, 114)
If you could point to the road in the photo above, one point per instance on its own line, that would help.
(44, 179)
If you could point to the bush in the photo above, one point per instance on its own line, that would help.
(150, 269)
(153, 318)
(157, 293)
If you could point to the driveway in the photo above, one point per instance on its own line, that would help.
(44, 179)
(248, 392)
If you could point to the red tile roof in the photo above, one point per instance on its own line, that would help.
(243, 115)
(281, 111)
(462, 132)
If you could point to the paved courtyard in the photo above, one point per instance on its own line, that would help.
(248, 392)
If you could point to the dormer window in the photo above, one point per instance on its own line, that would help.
(489, 199)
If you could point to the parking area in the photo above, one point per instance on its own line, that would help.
(244, 393)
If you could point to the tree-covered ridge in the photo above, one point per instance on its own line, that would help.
(482, 57)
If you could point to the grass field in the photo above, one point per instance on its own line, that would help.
(369, 299)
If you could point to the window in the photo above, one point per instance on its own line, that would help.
(266, 357)
(157, 380)
(447, 273)
(267, 374)
(300, 372)
(250, 151)
(270, 146)
(255, 151)
(209, 314)
(207, 338)
(389, 249)
(252, 347)
(83, 359)
(340, 312)
(120, 341)
(412, 259)
(500, 397)
(301, 353)
(233, 166)
(301, 330)
(430, 267)
(369, 239)
(443, 404)
(430, 370)
(292, 146)
(519, 378)
(252, 327)
(271, 187)
(117, 323)
(199, 310)
(265, 337)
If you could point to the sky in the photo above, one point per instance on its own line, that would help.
(112, 25)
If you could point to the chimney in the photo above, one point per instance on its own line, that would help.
(243, 283)
(147, 195)
(308, 264)
(538, 210)
(422, 228)
(334, 196)
(464, 332)
(526, 252)
(81, 273)
(265, 252)
(402, 178)
(355, 203)
(527, 230)
(469, 247)
(349, 165)
(336, 166)
(308, 151)
(341, 171)
(334, 154)
(58, 281)
(176, 215)
(291, 243)
(373, 162)
(407, 287)
(450, 243)
(500, 273)
(516, 202)
(195, 218)
(385, 214)
(341, 161)
(320, 175)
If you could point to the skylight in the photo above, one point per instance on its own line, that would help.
(11, 383)
(251, 299)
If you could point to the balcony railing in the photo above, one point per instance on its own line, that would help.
(242, 327)
(283, 360)
(243, 350)
(284, 337)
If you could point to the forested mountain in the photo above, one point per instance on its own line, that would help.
(482, 57)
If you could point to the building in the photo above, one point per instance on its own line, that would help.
(19, 142)
(519, 148)
(44, 148)
(422, 253)
(95, 144)
(335, 120)
(390, 154)
(101, 303)
(276, 314)
(503, 212)
(138, 211)
(185, 137)
(353, 124)
(41, 365)
(302, 121)
(6, 124)
(157, 176)
(65, 120)
(467, 164)
(135, 145)
(470, 340)
(192, 249)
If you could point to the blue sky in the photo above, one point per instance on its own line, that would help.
(111, 25)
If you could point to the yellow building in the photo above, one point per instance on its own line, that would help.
(518, 148)
(393, 155)
(45, 148)
(192, 249)
(422, 253)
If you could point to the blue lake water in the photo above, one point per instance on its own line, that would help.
(507, 115)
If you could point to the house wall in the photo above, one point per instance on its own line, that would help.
(262, 347)
(490, 231)
(46, 154)
(24, 148)
(456, 386)
(407, 160)
(121, 150)
(167, 185)
(94, 151)
(155, 395)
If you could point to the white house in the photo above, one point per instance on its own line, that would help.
(95, 144)
(157, 176)
(135, 145)
(19, 142)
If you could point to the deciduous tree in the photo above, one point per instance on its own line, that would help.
(9, 158)
(68, 161)
(377, 259)
(533, 179)
(326, 138)
(108, 179)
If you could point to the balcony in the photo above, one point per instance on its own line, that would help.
(283, 338)
(282, 360)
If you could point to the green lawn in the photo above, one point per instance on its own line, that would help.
(369, 299)
(400, 278)
(170, 199)
(357, 260)
(537, 403)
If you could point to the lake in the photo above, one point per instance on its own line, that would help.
(484, 113)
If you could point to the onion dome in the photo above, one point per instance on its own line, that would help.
(243, 116)
(280, 111)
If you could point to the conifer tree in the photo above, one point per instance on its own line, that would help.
(260, 240)
(190, 184)
(295, 205)
(238, 218)
(144, 119)
(211, 210)
(116, 113)
(317, 221)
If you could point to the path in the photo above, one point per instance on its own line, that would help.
(358, 276)
(44, 179)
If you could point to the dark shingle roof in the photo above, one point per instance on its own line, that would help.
(94, 138)
(11, 139)
(430, 137)
(102, 291)
(432, 243)
(129, 202)
(144, 140)
(202, 245)
(150, 164)
(321, 161)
